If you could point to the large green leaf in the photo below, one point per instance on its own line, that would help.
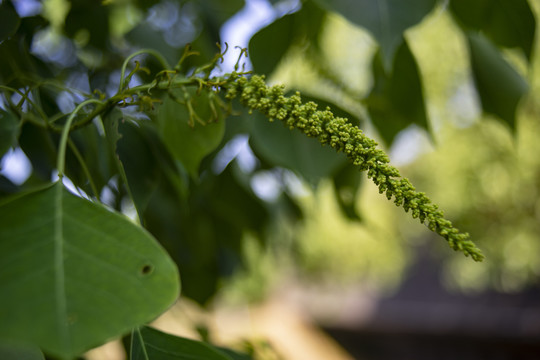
(75, 274)
(499, 86)
(190, 143)
(291, 149)
(149, 343)
(268, 46)
(508, 23)
(386, 20)
(9, 130)
(397, 100)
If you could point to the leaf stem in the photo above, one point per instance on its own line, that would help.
(61, 160)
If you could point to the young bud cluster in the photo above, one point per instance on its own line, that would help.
(345, 137)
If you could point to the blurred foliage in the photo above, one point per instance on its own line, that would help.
(434, 67)
(497, 200)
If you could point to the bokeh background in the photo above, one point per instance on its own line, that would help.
(356, 278)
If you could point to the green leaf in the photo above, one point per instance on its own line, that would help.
(190, 144)
(16, 61)
(397, 100)
(9, 130)
(268, 46)
(9, 20)
(291, 149)
(386, 20)
(499, 86)
(149, 343)
(93, 167)
(137, 162)
(219, 11)
(40, 147)
(346, 185)
(75, 274)
(20, 352)
(91, 18)
(508, 23)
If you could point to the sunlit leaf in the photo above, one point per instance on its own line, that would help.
(499, 86)
(386, 20)
(190, 143)
(149, 343)
(508, 23)
(75, 274)
(397, 100)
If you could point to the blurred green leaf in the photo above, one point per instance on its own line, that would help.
(20, 352)
(7, 187)
(508, 23)
(18, 67)
(79, 269)
(138, 163)
(149, 343)
(190, 144)
(386, 20)
(40, 148)
(291, 149)
(89, 20)
(9, 20)
(219, 11)
(9, 130)
(346, 185)
(143, 162)
(268, 46)
(397, 100)
(96, 156)
(499, 86)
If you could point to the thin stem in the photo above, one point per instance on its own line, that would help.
(152, 52)
(26, 98)
(61, 160)
(137, 331)
(79, 157)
